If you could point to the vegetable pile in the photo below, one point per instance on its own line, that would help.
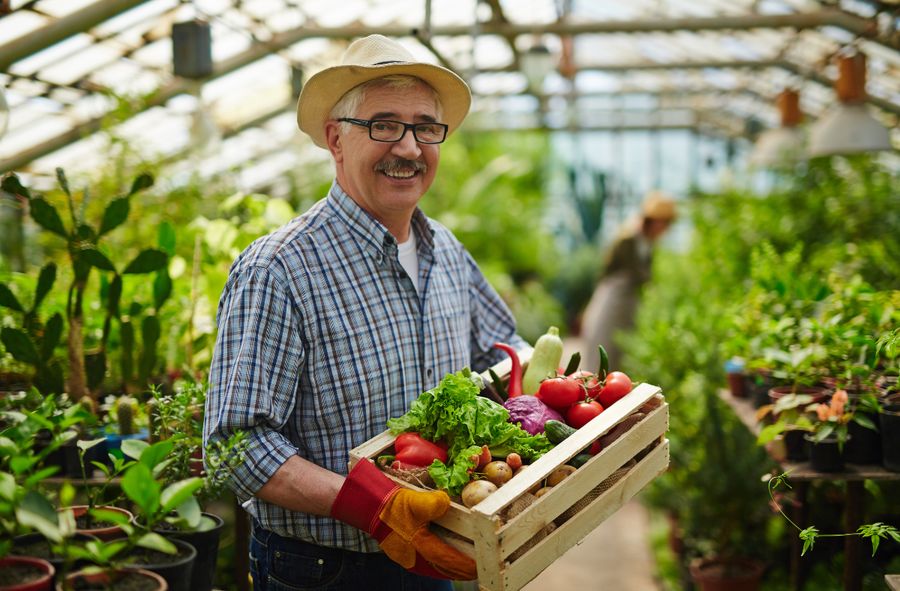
(454, 414)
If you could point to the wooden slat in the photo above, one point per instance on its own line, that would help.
(566, 450)
(560, 498)
(573, 531)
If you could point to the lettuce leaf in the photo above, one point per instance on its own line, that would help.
(453, 411)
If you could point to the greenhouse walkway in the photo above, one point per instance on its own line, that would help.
(616, 555)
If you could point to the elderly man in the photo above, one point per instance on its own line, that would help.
(336, 322)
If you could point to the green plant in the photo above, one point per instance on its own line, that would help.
(874, 532)
(83, 244)
(24, 506)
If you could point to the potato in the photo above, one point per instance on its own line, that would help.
(477, 491)
(498, 472)
(542, 491)
(560, 474)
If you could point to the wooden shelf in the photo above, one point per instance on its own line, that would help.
(746, 412)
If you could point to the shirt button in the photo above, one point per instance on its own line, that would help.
(320, 562)
(429, 373)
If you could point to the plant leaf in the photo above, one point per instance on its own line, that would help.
(154, 541)
(166, 238)
(46, 216)
(190, 512)
(114, 215)
(156, 453)
(52, 334)
(20, 345)
(46, 279)
(86, 444)
(96, 259)
(8, 299)
(141, 182)
(139, 486)
(134, 448)
(147, 261)
(179, 492)
(12, 184)
(37, 512)
(808, 536)
(162, 288)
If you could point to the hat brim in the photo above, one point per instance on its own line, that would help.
(325, 89)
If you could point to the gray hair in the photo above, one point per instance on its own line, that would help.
(350, 102)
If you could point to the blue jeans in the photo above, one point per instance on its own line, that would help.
(286, 564)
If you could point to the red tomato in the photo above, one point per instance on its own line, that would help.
(580, 413)
(591, 382)
(616, 386)
(560, 393)
(595, 448)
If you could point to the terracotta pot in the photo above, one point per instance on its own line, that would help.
(727, 574)
(103, 533)
(819, 394)
(100, 580)
(40, 580)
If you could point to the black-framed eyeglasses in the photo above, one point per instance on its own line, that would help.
(386, 130)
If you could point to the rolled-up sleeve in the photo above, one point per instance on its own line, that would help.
(254, 374)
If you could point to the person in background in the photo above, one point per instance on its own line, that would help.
(336, 322)
(614, 303)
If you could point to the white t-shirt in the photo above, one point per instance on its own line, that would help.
(409, 259)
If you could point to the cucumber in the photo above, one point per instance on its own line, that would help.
(544, 362)
(557, 431)
(580, 460)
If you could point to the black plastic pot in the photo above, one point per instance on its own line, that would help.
(207, 545)
(795, 445)
(757, 386)
(176, 571)
(889, 420)
(826, 455)
(864, 445)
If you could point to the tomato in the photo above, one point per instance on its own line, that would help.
(581, 413)
(595, 448)
(616, 386)
(591, 382)
(560, 392)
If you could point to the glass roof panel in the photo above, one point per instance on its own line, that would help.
(61, 86)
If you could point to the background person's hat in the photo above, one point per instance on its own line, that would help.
(373, 57)
(658, 205)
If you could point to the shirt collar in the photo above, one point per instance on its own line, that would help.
(372, 232)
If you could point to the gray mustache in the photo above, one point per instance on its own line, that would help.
(401, 164)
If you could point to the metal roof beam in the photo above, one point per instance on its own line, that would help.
(77, 22)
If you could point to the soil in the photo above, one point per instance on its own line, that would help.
(124, 582)
(144, 556)
(18, 574)
(35, 549)
(86, 522)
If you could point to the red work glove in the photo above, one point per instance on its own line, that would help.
(398, 518)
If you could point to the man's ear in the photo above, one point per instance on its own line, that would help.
(333, 140)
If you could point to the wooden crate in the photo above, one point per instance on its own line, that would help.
(511, 553)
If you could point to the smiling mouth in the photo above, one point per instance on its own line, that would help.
(401, 169)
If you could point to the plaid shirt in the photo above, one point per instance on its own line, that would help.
(322, 338)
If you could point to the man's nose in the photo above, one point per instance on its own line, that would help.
(407, 147)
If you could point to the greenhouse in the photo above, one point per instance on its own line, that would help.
(473, 295)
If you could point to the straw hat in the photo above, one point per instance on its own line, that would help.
(373, 57)
(658, 205)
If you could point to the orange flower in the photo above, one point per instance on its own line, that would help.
(822, 411)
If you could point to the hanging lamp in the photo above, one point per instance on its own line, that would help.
(849, 128)
(536, 62)
(192, 49)
(782, 145)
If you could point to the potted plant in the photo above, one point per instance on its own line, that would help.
(178, 418)
(790, 418)
(828, 434)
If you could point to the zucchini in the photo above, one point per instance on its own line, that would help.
(557, 431)
(580, 460)
(544, 362)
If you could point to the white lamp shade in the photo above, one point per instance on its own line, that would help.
(536, 63)
(778, 147)
(848, 129)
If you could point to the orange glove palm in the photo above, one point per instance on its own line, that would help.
(398, 518)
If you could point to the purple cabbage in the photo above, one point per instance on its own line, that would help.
(530, 413)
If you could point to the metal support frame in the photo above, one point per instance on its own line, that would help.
(96, 13)
(78, 22)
